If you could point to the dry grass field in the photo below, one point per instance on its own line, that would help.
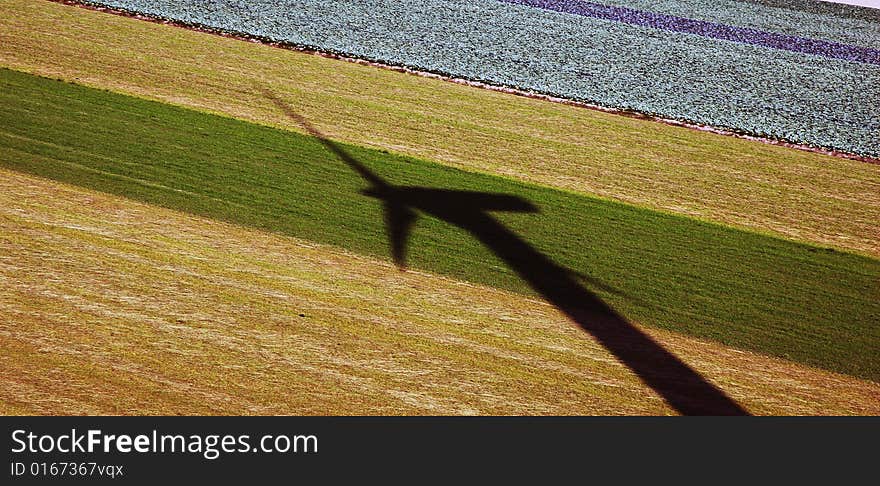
(156, 259)
(116, 307)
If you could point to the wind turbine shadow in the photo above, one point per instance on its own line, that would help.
(682, 387)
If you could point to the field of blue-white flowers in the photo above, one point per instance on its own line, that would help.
(788, 74)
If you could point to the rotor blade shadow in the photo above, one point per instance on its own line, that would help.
(377, 183)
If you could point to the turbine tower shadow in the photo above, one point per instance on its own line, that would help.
(682, 387)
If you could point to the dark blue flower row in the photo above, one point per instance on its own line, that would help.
(708, 29)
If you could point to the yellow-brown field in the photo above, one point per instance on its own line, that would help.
(110, 306)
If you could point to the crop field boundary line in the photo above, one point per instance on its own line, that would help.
(482, 84)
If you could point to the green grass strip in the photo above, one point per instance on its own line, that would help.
(800, 302)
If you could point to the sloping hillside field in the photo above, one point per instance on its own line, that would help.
(769, 81)
(192, 224)
(113, 306)
(751, 291)
(805, 196)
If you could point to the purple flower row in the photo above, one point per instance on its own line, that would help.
(713, 30)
